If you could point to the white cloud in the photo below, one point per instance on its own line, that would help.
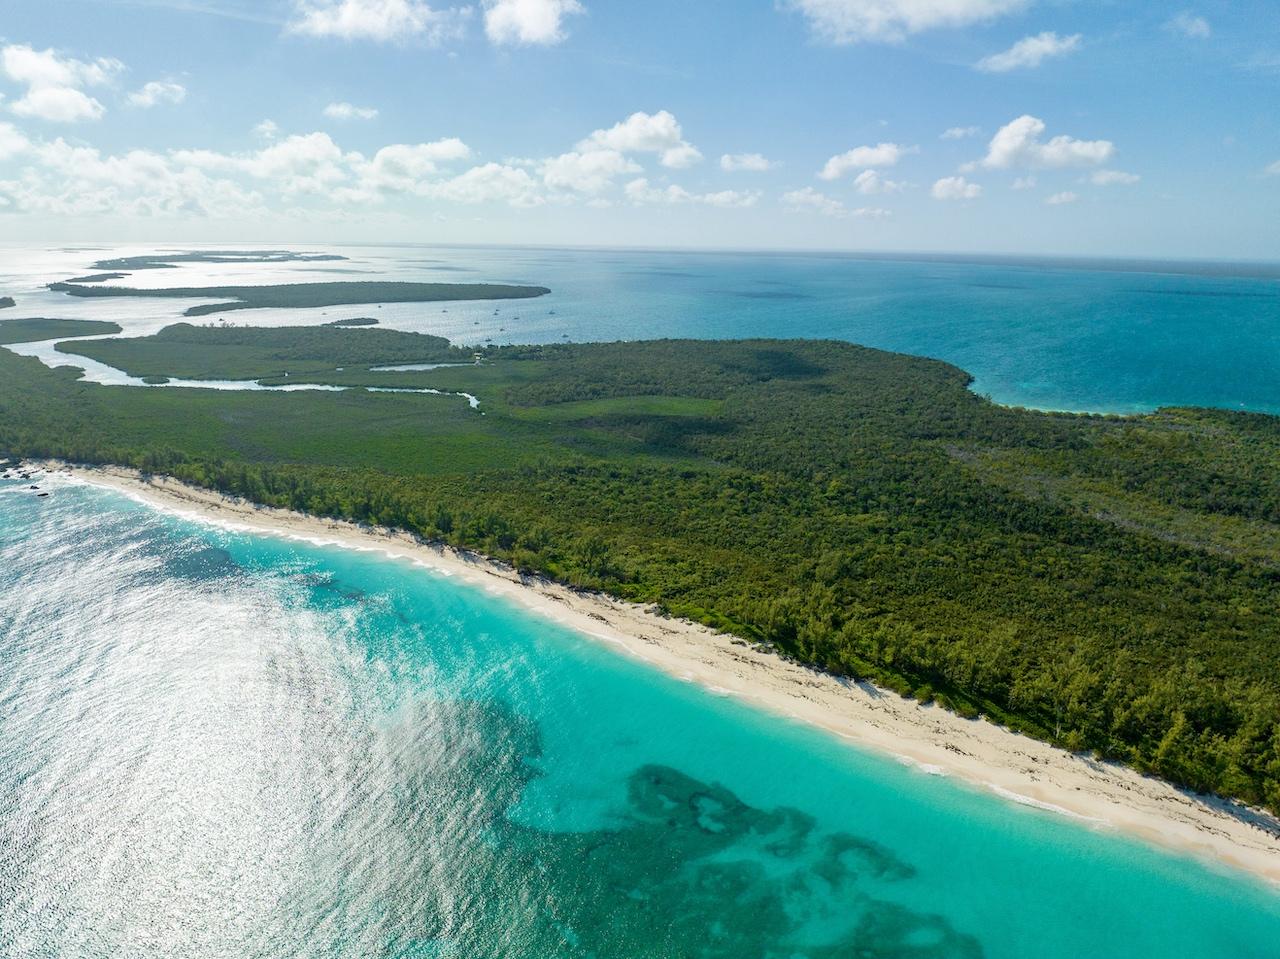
(310, 163)
(379, 20)
(855, 21)
(1024, 183)
(348, 111)
(527, 22)
(960, 133)
(1061, 199)
(640, 191)
(1030, 52)
(488, 183)
(587, 171)
(1113, 178)
(266, 130)
(811, 201)
(1018, 144)
(871, 183)
(658, 133)
(955, 188)
(12, 141)
(402, 167)
(1190, 25)
(71, 180)
(861, 158)
(157, 92)
(731, 198)
(1273, 169)
(748, 162)
(55, 84)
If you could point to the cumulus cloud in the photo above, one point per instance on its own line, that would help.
(311, 173)
(488, 183)
(528, 22)
(1061, 199)
(857, 21)
(590, 171)
(810, 200)
(67, 180)
(871, 183)
(955, 188)
(401, 167)
(658, 133)
(1024, 183)
(1190, 25)
(1018, 144)
(960, 133)
(157, 92)
(378, 20)
(640, 191)
(748, 162)
(348, 111)
(309, 163)
(1030, 52)
(12, 141)
(864, 157)
(54, 84)
(1113, 178)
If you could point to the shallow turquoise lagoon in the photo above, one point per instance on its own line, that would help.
(215, 744)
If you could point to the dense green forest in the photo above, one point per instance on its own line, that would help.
(307, 295)
(1107, 583)
(245, 353)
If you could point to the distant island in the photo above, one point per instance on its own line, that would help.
(354, 321)
(97, 278)
(1106, 583)
(310, 295)
(163, 261)
(6, 301)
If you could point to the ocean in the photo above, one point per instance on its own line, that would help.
(216, 744)
(221, 744)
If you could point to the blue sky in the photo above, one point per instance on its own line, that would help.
(1075, 127)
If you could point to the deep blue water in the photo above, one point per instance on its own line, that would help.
(214, 744)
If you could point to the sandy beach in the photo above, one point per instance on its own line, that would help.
(1098, 795)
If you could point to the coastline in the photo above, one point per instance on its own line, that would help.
(1104, 796)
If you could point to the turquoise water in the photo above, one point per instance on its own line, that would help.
(1052, 334)
(216, 744)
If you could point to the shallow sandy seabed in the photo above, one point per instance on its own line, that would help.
(1099, 795)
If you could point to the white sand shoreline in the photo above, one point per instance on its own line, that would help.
(1014, 767)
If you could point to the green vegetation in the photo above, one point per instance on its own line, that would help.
(305, 295)
(355, 321)
(164, 261)
(35, 330)
(249, 353)
(1106, 583)
(6, 302)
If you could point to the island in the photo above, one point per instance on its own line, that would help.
(1104, 583)
(39, 329)
(355, 321)
(311, 295)
(6, 302)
